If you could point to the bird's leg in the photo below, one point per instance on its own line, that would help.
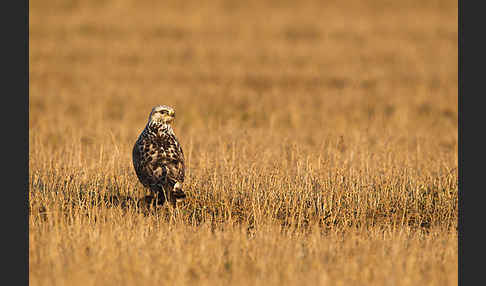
(169, 196)
(159, 196)
(160, 199)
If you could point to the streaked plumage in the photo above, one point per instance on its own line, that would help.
(158, 158)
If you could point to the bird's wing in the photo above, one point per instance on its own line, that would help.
(141, 159)
(159, 162)
(172, 159)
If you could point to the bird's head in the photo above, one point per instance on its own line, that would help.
(161, 114)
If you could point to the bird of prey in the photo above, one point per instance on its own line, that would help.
(158, 159)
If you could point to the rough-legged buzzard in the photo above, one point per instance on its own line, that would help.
(158, 158)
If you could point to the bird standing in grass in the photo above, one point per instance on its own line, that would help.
(158, 158)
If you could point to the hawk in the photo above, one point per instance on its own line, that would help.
(158, 159)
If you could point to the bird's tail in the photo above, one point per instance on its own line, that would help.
(178, 193)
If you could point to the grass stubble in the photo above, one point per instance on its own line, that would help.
(320, 142)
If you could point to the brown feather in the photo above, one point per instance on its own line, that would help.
(158, 160)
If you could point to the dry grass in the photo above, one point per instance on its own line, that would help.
(320, 140)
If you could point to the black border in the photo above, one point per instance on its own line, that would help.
(15, 135)
(23, 87)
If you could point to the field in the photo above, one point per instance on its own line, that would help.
(320, 137)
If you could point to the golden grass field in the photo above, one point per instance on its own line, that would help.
(321, 142)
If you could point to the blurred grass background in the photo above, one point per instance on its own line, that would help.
(336, 120)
